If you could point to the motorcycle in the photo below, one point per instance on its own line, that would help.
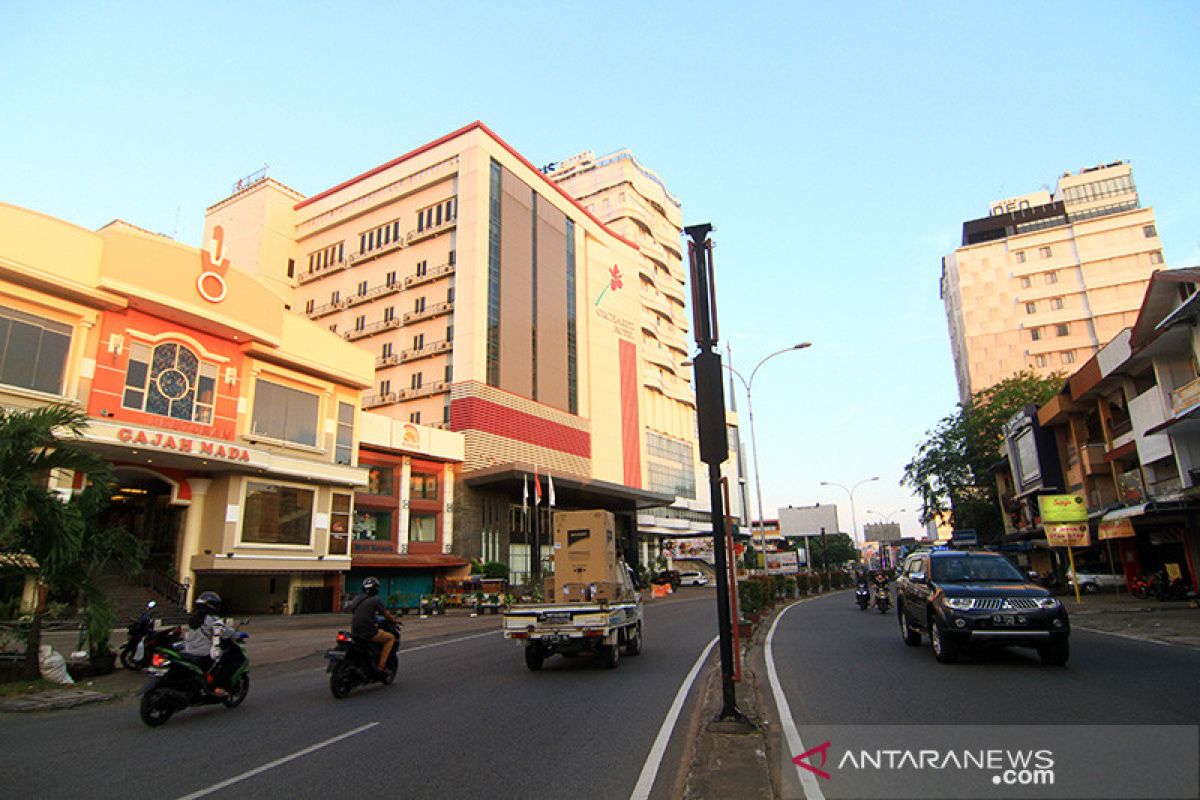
(1141, 587)
(862, 596)
(144, 639)
(352, 661)
(176, 683)
(883, 597)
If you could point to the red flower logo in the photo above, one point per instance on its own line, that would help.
(616, 278)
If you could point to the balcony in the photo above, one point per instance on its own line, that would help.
(428, 233)
(324, 310)
(362, 258)
(381, 290)
(432, 349)
(372, 329)
(429, 312)
(1184, 398)
(390, 360)
(1092, 456)
(425, 390)
(311, 275)
(430, 275)
(377, 400)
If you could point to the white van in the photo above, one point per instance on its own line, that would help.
(693, 578)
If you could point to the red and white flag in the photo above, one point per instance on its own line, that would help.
(550, 488)
(537, 488)
(525, 493)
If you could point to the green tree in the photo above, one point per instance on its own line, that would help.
(68, 540)
(838, 549)
(952, 471)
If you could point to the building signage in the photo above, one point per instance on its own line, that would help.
(785, 562)
(1068, 534)
(211, 282)
(183, 444)
(699, 548)
(966, 537)
(1116, 529)
(1063, 508)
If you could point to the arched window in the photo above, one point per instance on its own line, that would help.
(171, 381)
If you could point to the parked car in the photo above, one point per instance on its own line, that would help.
(1093, 580)
(667, 577)
(972, 599)
(693, 578)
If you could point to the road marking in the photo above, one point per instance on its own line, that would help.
(277, 762)
(432, 644)
(645, 780)
(808, 781)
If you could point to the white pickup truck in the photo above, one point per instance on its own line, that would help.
(602, 628)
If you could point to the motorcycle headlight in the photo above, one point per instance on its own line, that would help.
(1048, 602)
(960, 603)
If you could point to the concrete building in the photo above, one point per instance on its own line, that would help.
(492, 304)
(1045, 280)
(635, 203)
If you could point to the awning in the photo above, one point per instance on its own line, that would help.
(398, 561)
(1125, 513)
(570, 491)
(19, 561)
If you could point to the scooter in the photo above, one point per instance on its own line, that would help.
(144, 639)
(353, 661)
(176, 683)
(862, 596)
(883, 598)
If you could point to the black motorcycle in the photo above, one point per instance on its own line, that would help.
(883, 597)
(862, 596)
(176, 682)
(353, 661)
(144, 639)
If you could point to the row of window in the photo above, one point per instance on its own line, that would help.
(381, 481)
(1097, 190)
(378, 237)
(277, 514)
(1062, 329)
(321, 259)
(434, 215)
(1065, 357)
(1047, 278)
(1043, 252)
(375, 525)
(416, 380)
(1055, 303)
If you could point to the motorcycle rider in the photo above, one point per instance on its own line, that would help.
(879, 580)
(364, 608)
(204, 627)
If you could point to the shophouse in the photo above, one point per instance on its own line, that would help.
(233, 424)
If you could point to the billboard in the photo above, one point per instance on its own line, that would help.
(808, 520)
(690, 547)
(782, 563)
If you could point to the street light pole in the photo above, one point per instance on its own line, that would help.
(850, 491)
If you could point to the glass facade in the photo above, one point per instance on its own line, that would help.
(276, 514)
(493, 307)
(33, 351)
(572, 355)
(285, 414)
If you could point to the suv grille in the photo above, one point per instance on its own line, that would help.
(997, 603)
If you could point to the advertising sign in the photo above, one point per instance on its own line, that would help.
(1063, 508)
(966, 537)
(1116, 529)
(1068, 534)
(699, 547)
(783, 563)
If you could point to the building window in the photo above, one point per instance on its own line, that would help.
(380, 481)
(373, 525)
(339, 524)
(1040, 361)
(386, 350)
(1045, 252)
(1149, 231)
(1056, 303)
(493, 297)
(277, 514)
(449, 373)
(309, 306)
(1024, 281)
(422, 269)
(1020, 256)
(1068, 357)
(1156, 257)
(382, 236)
(389, 313)
(362, 288)
(572, 356)
(391, 279)
(432, 216)
(1051, 277)
(422, 527)
(170, 381)
(450, 295)
(416, 380)
(1031, 308)
(423, 487)
(325, 257)
(1036, 333)
(1062, 330)
(360, 322)
(418, 341)
(335, 297)
(419, 305)
(385, 387)
(344, 450)
(415, 418)
(283, 413)
(33, 351)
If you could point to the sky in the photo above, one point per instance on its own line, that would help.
(836, 148)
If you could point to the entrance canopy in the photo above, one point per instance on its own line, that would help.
(570, 491)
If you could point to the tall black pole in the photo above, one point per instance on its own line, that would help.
(714, 442)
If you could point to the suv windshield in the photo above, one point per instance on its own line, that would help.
(972, 569)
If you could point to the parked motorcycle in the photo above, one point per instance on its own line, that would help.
(176, 683)
(1141, 587)
(144, 639)
(883, 598)
(862, 596)
(353, 661)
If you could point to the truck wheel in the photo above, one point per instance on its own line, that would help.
(633, 645)
(610, 656)
(534, 658)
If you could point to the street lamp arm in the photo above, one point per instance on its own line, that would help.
(757, 366)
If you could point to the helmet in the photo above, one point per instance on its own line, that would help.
(371, 585)
(209, 601)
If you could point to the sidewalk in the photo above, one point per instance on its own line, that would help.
(1170, 622)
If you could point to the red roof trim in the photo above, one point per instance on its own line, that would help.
(476, 125)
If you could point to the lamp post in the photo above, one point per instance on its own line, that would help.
(748, 385)
(887, 515)
(850, 491)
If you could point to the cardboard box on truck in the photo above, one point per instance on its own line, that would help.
(585, 546)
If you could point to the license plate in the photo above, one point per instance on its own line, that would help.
(556, 639)
(1009, 619)
(557, 618)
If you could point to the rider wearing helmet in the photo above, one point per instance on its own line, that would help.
(202, 627)
(365, 607)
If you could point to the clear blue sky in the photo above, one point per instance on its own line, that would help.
(836, 148)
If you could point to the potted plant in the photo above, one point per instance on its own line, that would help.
(99, 619)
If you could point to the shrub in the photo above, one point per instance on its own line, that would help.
(789, 587)
(752, 596)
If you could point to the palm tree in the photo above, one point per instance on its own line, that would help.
(66, 538)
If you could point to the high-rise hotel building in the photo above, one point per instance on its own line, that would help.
(1045, 280)
(494, 305)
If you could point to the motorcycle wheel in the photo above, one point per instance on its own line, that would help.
(393, 668)
(127, 659)
(155, 710)
(883, 606)
(239, 692)
(1140, 592)
(341, 680)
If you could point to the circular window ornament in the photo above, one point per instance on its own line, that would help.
(211, 287)
(172, 384)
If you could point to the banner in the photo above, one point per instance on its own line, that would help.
(698, 547)
(1063, 508)
(783, 563)
(1068, 534)
(1116, 529)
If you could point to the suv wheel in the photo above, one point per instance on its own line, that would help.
(911, 637)
(946, 652)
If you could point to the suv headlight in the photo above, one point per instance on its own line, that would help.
(1048, 602)
(961, 603)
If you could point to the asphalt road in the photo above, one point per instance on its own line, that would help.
(465, 718)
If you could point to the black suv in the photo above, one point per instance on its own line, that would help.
(962, 599)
